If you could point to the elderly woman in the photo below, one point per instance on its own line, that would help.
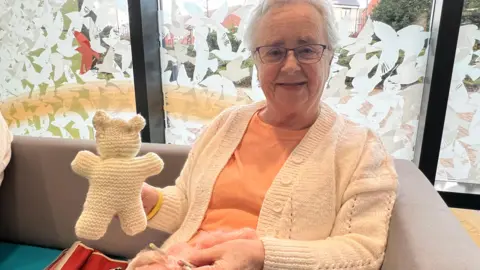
(317, 188)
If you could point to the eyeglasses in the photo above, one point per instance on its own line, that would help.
(306, 54)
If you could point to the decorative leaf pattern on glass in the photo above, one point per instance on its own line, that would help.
(460, 150)
(376, 78)
(60, 62)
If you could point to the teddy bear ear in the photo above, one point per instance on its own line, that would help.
(137, 123)
(100, 120)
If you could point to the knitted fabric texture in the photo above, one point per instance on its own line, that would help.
(329, 206)
(115, 177)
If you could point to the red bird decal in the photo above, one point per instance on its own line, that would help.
(86, 51)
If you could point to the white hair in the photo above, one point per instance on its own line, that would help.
(324, 7)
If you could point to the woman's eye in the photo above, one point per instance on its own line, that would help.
(274, 52)
(306, 50)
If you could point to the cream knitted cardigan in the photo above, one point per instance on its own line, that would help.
(5, 146)
(329, 207)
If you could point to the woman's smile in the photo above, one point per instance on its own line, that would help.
(292, 85)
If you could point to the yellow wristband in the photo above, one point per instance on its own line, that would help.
(155, 209)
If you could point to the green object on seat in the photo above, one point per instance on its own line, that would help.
(23, 257)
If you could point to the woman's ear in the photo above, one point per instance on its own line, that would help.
(100, 120)
(137, 123)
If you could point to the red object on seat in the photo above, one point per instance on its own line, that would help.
(81, 257)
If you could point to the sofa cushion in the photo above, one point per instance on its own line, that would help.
(424, 234)
(23, 257)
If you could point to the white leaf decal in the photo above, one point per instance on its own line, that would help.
(108, 64)
(364, 85)
(65, 46)
(38, 78)
(462, 166)
(181, 54)
(54, 30)
(336, 85)
(183, 79)
(193, 9)
(43, 59)
(201, 34)
(459, 98)
(70, 76)
(123, 48)
(234, 71)
(95, 40)
(256, 92)
(475, 124)
(40, 42)
(166, 77)
(221, 13)
(363, 40)
(76, 21)
(407, 72)
(451, 120)
(166, 57)
(201, 66)
(389, 46)
(220, 85)
(106, 14)
(243, 12)
(59, 65)
(360, 66)
(112, 39)
(474, 73)
(412, 40)
(467, 36)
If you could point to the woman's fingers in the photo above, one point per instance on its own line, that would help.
(205, 257)
(208, 240)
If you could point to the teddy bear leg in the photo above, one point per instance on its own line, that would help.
(92, 225)
(133, 220)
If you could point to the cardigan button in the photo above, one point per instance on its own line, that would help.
(287, 181)
(278, 207)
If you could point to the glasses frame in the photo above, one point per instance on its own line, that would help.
(257, 51)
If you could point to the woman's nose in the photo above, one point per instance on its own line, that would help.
(290, 64)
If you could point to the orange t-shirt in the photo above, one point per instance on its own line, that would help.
(241, 186)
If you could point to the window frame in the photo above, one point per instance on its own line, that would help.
(445, 28)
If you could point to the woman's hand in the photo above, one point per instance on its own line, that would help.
(149, 197)
(232, 255)
(206, 240)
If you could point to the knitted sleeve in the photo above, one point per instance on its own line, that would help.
(175, 198)
(359, 236)
(5, 146)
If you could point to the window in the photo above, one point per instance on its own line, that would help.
(376, 80)
(60, 62)
(459, 163)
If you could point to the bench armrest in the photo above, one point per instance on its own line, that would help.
(424, 233)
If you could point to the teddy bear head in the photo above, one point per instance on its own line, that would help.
(117, 138)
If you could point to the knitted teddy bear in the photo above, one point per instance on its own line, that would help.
(115, 177)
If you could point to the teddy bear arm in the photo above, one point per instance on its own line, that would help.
(84, 162)
(153, 164)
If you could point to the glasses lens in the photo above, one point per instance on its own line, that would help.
(272, 54)
(309, 53)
